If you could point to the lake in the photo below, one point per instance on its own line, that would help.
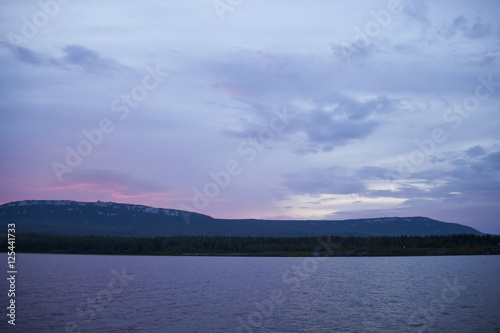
(83, 293)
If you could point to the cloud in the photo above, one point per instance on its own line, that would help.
(324, 123)
(459, 22)
(345, 120)
(75, 57)
(459, 27)
(478, 30)
(452, 29)
(417, 10)
(88, 60)
(354, 52)
(493, 159)
(475, 151)
(473, 177)
(489, 165)
(28, 56)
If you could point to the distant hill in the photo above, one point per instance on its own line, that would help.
(123, 220)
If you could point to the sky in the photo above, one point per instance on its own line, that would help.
(255, 109)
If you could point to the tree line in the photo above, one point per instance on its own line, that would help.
(226, 245)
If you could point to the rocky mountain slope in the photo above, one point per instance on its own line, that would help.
(114, 219)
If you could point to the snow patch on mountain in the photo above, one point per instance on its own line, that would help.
(137, 208)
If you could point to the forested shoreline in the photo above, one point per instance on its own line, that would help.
(465, 244)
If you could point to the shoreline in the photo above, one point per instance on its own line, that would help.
(391, 253)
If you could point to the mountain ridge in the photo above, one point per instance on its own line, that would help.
(67, 217)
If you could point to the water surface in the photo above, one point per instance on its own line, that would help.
(79, 293)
